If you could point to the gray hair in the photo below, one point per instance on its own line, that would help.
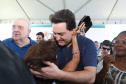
(29, 24)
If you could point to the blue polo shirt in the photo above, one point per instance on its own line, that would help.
(88, 55)
(20, 50)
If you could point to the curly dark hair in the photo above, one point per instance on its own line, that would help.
(66, 16)
(37, 54)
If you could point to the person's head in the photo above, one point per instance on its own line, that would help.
(106, 47)
(63, 22)
(96, 44)
(39, 36)
(20, 29)
(38, 53)
(120, 44)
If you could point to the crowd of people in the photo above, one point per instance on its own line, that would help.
(69, 57)
(113, 69)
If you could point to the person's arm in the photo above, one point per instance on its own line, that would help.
(107, 60)
(85, 76)
(53, 72)
(72, 65)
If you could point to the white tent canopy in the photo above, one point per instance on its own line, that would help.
(38, 11)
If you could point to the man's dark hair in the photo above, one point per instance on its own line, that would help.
(106, 43)
(66, 16)
(40, 33)
(96, 41)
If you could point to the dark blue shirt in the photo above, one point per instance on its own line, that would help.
(88, 55)
(20, 50)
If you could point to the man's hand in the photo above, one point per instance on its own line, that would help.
(49, 72)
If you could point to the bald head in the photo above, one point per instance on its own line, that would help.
(21, 29)
(24, 22)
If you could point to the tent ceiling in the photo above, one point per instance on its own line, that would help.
(38, 11)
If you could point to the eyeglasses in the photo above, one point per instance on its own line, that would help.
(105, 48)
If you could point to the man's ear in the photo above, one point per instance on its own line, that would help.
(29, 31)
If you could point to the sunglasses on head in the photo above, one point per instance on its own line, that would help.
(105, 48)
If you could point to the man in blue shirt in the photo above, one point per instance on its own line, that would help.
(63, 23)
(97, 46)
(20, 42)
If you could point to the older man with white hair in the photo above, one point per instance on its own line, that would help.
(20, 41)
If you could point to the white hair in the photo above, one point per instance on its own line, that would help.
(29, 24)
